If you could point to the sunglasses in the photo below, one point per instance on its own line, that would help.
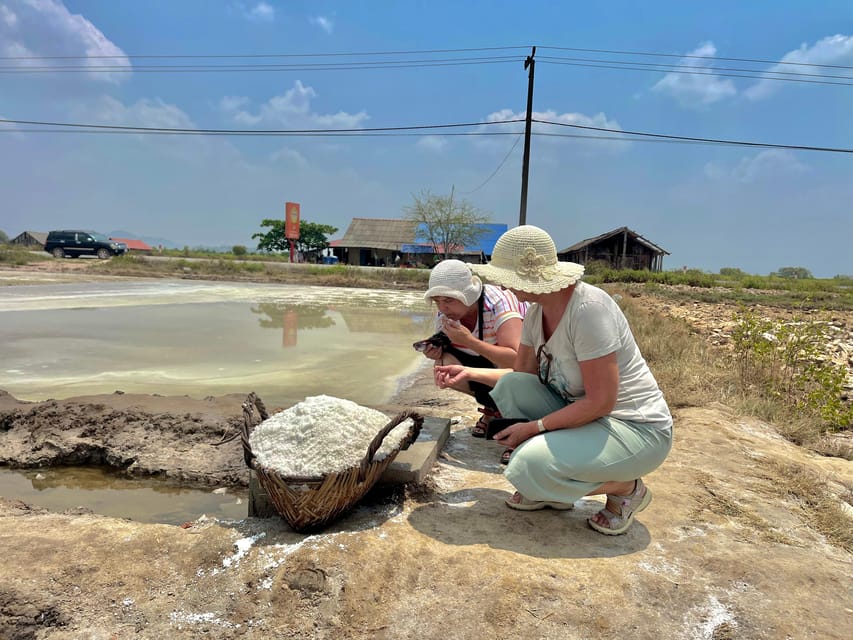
(544, 368)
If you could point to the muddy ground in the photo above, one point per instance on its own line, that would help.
(721, 552)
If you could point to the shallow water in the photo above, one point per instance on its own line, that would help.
(201, 338)
(193, 338)
(109, 494)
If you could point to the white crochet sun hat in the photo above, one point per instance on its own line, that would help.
(453, 279)
(525, 259)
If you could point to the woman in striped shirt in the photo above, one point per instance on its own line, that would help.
(482, 324)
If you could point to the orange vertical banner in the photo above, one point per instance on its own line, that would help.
(291, 220)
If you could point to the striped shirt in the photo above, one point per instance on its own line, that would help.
(499, 305)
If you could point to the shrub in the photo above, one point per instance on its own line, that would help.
(239, 250)
(787, 362)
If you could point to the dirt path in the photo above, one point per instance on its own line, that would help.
(722, 552)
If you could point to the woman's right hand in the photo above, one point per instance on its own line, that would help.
(450, 375)
(433, 353)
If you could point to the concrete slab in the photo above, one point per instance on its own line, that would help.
(410, 465)
(414, 463)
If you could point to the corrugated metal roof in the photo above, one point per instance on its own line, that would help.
(640, 239)
(378, 233)
(403, 236)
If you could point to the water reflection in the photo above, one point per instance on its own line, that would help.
(201, 339)
(110, 494)
(306, 316)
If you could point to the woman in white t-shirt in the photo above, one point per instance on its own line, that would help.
(479, 325)
(592, 418)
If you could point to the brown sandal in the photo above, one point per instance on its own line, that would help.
(479, 430)
(506, 455)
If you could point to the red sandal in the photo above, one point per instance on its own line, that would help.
(479, 429)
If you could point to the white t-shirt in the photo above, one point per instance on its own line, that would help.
(499, 305)
(593, 326)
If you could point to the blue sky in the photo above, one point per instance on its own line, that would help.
(710, 206)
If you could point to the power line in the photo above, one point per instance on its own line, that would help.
(253, 131)
(740, 143)
(494, 173)
(700, 73)
(266, 55)
(202, 68)
(692, 56)
(422, 52)
(657, 65)
(355, 134)
(400, 130)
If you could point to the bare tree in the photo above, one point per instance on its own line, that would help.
(448, 225)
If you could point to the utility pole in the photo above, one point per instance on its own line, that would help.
(525, 166)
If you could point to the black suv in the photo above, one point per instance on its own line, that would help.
(73, 244)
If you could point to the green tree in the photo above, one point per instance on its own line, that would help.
(238, 250)
(4, 239)
(444, 222)
(794, 273)
(312, 236)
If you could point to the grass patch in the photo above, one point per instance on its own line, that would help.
(278, 271)
(19, 256)
(688, 370)
(715, 501)
(819, 507)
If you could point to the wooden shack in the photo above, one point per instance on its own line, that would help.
(621, 248)
(32, 239)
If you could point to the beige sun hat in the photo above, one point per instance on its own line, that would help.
(453, 279)
(525, 259)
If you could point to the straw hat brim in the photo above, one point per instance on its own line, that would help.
(544, 280)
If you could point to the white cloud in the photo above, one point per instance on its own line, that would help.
(8, 17)
(432, 143)
(155, 113)
(837, 49)
(230, 104)
(766, 165)
(293, 110)
(144, 113)
(9, 129)
(289, 157)
(698, 90)
(598, 121)
(47, 28)
(261, 12)
(326, 24)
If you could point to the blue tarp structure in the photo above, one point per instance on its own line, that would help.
(485, 244)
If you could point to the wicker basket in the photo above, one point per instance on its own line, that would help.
(310, 503)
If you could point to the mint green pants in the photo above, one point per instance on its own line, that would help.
(567, 464)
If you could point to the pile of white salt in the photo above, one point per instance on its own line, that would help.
(321, 435)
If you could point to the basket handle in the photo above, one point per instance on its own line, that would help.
(251, 403)
(376, 443)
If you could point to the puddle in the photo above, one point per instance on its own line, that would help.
(110, 494)
(200, 339)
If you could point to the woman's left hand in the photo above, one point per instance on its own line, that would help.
(516, 433)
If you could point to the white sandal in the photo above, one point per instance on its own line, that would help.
(630, 505)
(524, 504)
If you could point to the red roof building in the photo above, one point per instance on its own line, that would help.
(134, 246)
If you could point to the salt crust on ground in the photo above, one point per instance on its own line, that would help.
(321, 435)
